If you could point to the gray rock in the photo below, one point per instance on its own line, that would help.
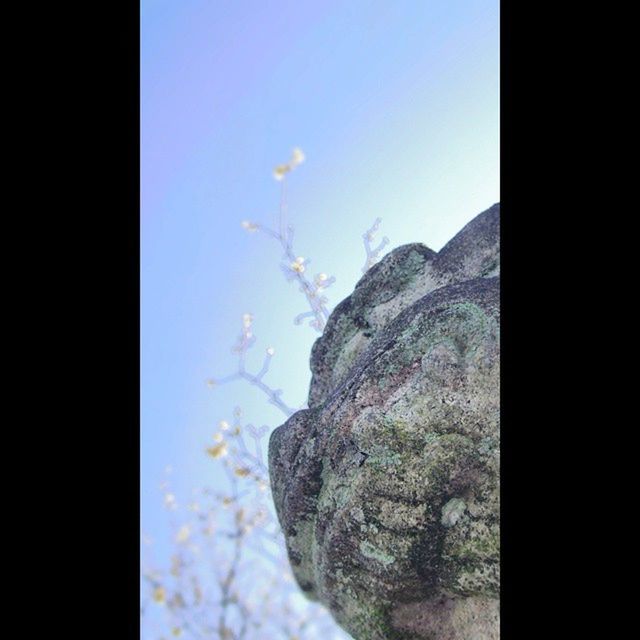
(405, 275)
(387, 487)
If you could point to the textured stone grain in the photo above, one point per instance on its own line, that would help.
(387, 487)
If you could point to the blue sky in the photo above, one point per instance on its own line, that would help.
(396, 106)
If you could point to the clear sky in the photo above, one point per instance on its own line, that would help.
(396, 106)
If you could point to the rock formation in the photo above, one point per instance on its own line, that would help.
(387, 487)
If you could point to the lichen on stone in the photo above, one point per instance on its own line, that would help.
(387, 487)
(452, 512)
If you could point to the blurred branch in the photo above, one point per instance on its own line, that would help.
(294, 266)
(245, 341)
(373, 253)
(230, 578)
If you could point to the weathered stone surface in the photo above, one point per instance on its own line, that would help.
(387, 487)
(405, 275)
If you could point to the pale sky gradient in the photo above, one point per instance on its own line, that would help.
(396, 106)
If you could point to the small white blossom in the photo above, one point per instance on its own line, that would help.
(183, 533)
(280, 171)
(247, 225)
(218, 450)
(297, 157)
